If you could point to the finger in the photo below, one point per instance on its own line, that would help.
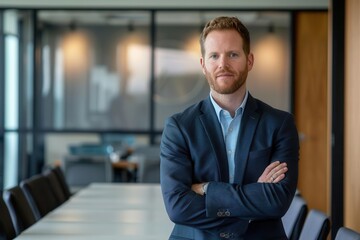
(271, 179)
(279, 178)
(270, 167)
(270, 170)
(280, 171)
(277, 174)
(279, 168)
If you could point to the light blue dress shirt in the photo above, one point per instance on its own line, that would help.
(230, 128)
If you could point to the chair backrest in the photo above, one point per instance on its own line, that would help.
(40, 195)
(19, 208)
(294, 218)
(82, 170)
(7, 230)
(316, 226)
(64, 185)
(55, 185)
(345, 233)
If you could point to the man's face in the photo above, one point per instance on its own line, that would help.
(225, 63)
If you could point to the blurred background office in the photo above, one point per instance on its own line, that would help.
(99, 79)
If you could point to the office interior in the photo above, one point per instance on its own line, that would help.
(78, 77)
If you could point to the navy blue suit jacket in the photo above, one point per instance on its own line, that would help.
(193, 151)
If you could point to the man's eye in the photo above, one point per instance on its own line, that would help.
(213, 56)
(234, 54)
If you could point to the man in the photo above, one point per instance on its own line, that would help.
(229, 164)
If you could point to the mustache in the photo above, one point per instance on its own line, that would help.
(223, 72)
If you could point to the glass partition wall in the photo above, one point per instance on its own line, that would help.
(95, 69)
(16, 87)
(113, 77)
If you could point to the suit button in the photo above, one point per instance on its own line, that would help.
(220, 213)
(224, 235)
(227, 213)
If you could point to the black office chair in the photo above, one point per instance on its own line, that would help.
(55, 185)
(7, 230)
(19, 208)
(294, 218)
(345, 233)
(64, 185)
(40, 195)
(316, 226)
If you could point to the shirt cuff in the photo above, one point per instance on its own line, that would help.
(204, 187)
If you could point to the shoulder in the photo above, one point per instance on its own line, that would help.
(270, 113)
(192, 112)
(271, 110)
(184, 123)
(275, 120)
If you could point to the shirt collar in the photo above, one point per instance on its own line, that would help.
(239, 110)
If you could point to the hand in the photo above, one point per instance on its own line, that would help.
(273, 173)
(198, 188)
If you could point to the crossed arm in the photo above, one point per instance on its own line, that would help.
(273, 173)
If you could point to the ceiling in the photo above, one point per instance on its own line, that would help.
(104, 17)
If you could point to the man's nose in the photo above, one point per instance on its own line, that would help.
(223, 62)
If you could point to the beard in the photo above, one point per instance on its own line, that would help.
(236, 84)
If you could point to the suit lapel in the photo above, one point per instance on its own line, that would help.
(248, 126)
(213, 130)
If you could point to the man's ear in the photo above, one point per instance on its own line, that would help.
(250, 61)
(202, 63)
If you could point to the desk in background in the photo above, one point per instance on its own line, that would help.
(125, 171)
(106, 211)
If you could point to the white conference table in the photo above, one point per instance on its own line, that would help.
(106, 211)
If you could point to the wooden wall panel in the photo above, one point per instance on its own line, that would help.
(352, 116)
(311, 107)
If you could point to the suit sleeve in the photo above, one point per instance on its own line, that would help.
(184, 206)
(261, 200)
